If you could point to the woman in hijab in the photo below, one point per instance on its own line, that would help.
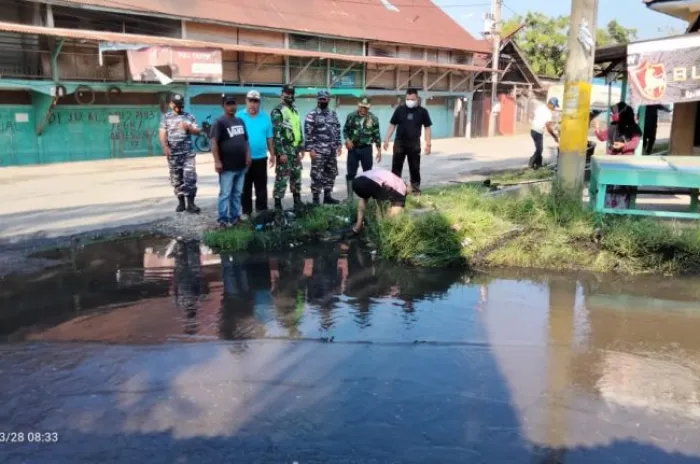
(622, 137)
(624, 134)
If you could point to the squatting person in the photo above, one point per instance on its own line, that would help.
(410, 118)
(361, 131)
(259, 128)
(287, 136)
(175, 134)
(322, 141)
(231, 151)
(383, 186)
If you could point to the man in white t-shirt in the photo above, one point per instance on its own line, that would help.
(542, 121)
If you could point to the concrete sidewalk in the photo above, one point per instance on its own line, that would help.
(66, 199)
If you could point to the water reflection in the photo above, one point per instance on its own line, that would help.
(576, 357)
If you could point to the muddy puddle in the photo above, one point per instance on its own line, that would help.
(169, 347)
(156, 290)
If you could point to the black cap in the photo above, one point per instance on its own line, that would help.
(228, 98)
(177, 99)
(288, 88)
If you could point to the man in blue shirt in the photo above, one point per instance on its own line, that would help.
(259, 128)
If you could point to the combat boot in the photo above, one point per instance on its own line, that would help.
(278, 204)
(180, 205)
(297, 201)
(329, 200)
(191, 207)
(317, 199)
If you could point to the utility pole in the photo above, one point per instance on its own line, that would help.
(496, 38)
(576, 106)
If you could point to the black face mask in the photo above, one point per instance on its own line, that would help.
(323, 105)
(177, 109)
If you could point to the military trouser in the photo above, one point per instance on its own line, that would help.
(183, 174)
(324, 170)
(287, 172)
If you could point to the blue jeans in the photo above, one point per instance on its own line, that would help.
(230, 189)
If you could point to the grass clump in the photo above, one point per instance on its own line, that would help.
(461, 225)
(309, 225)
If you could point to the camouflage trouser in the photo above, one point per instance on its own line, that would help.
(324, 170)
(183, 174)
(287, 172)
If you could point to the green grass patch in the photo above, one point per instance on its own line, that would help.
(461, 225)
(311, 225)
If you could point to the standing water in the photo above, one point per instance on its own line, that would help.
(329, 355)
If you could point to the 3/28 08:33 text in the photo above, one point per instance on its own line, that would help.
(28, 437)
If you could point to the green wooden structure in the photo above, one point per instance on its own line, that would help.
(661, 175)
(645, 171)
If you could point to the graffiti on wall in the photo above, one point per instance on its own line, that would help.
(127, 131)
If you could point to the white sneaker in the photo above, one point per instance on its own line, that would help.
(245, 217)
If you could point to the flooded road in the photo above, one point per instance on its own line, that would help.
(152, 350)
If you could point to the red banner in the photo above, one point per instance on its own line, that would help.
(168, 64)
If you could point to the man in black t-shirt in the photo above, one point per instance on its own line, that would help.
(229, 145)
(410, 118)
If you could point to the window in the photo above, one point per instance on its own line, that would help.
(322, 44)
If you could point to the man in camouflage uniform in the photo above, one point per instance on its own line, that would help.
(176, 129)
(287, 137)
(322, 137)
(361, 130)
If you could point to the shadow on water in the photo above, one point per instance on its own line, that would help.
(417, 365)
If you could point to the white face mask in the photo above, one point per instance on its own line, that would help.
(411, 103)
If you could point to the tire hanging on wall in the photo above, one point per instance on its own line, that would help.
(80, 94)
(112, 92)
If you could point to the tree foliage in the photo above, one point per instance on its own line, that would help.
(544, 40)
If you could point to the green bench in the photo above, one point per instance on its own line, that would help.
(660, 175)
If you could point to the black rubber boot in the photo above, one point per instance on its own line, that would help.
(317, 199)
(298, 205)
(181, 205)
(191, 207)
(278, 204)
(329, 200)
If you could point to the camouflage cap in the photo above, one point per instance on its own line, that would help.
(365, 102)
(323, 95)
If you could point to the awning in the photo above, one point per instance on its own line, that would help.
(98, 36)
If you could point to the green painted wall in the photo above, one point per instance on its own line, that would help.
(77, 133)
(17, 135)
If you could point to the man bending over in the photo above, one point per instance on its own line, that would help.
(383, 186)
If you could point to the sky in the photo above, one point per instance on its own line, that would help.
(629, 13)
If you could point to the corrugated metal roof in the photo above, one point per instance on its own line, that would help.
(151, 40)
(415, 22)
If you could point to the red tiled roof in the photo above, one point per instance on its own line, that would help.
(414, 22)
(166, 41)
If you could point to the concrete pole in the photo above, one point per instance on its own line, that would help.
(577, 94)
(496, 38)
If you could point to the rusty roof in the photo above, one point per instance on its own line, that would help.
(82, 34)
(412, 22)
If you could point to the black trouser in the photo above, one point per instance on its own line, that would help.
(649, 141)
(536, 158)
(410, 150)
(256, 176)
(357, 156)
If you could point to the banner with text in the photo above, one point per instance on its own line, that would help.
(169, 64)
(664, 71)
